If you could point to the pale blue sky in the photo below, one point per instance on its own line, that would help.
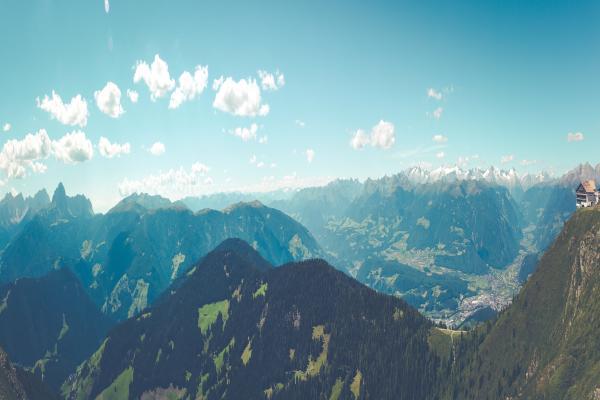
(515, 79)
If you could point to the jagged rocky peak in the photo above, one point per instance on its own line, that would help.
(509, 178)
(74, 206)
(580, 173)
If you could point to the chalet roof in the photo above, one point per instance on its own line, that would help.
(589, 186)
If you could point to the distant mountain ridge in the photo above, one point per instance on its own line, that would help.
(127, 257)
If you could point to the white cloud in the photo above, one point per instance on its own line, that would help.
(263, 139)
(110, 150)
(199, 168)
(189, 86)
(439, 139)
(108, 100)
(359, 140)
(575, 137)
(217, 83)
(431, 92)
(310, 155)
(6, 127)
(73, 113)
(528, 162)
(241, 98)
(441, 154)
(246, 133)
(269, 81)
(106, 6)
(382, 136)
(260, 164)
(174, 183)
(73, 148)
(300, 123)
(253, 159)
(156, 77)
(507, 158)
(437, 113)
(157, 149)
(19, 155)
(133, 95)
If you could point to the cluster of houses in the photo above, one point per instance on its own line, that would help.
(587, 194)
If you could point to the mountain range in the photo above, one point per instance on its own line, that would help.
(127, 257)
(238, 328)
(419, 234)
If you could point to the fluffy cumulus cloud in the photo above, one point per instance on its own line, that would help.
(133, 95)
(437, 113)
(156, 77)
(106, 6)
(189, 86)
(269, 81)
(434, 94)
(507, 158)
(575, 137)
(360, 139)
(6, 127)
(310, 155)
(73, 148)
(246, 133)
(300, 123)
(382, 136)
(174, 183)
(73, 113)
(440, 139)
(108, 100)
(241, 98)
(157, 149)
(527, 163)
(110, 150)
(20, 156)
(17, 156)
(441, 154)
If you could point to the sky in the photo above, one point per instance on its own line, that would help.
(192, 97)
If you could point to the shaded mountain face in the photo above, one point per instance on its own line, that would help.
(235, 330)
(16, 211)
(49, 324)
(128, 257)
(17, 384)
(546, 344)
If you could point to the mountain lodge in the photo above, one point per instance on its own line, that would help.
(587, 195)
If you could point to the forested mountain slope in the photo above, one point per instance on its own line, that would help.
(546, 344)
(238, 328)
